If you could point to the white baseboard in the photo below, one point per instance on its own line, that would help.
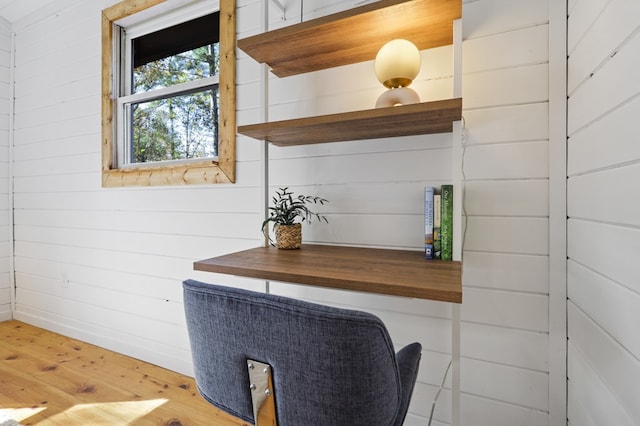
(109, 339)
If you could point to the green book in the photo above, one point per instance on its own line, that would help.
(437, 211)
(446, 222)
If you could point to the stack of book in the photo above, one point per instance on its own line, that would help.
(438, 222)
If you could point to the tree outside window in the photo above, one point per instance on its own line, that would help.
(177, 127)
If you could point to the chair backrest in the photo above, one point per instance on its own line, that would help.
(330, 366)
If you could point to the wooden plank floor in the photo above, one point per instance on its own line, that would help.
(48, 379)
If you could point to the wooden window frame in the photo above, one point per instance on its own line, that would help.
(196, 172)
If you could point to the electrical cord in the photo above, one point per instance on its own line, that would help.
(435, 398)
(464, 186)
(464, 234)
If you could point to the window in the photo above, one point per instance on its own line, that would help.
(169, 109)
(168, 93)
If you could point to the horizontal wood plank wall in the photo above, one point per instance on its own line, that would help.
(375, 188)
(604, 213)
(105, 265)
(5, 184)
(506, 166)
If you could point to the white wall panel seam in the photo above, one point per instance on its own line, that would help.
(602, 275)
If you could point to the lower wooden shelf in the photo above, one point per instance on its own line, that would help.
(404, 120)
(394, 272)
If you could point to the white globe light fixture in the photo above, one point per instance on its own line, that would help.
(396, 65)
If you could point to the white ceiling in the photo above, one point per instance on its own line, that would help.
(14, 10)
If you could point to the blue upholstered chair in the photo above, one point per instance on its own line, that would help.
(328, 366)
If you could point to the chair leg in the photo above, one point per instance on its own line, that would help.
(262, 393)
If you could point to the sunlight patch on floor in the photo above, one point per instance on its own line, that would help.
(107, 413)
(17, 414)
(95, 414)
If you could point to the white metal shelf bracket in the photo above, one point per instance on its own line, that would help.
(281, 7)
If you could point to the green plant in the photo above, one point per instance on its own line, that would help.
(287, 208)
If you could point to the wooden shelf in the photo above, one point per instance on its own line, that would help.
(348, 37)
(394, 272)
(404, 120)
(354, 35)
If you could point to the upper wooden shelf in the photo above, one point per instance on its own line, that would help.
(404, 120)
(354, 35)
(395, 272)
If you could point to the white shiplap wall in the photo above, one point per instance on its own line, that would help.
(375, 190)
(506, 165)
(5, 212)
(105, 265)
(604, 213)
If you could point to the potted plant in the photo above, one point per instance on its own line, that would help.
(287, 214)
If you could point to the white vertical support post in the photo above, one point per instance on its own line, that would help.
(557, 213)
(457, 256)
(457, 143)
(455, 365)
(264, 145)
(458, 232)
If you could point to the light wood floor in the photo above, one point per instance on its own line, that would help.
(48, 379)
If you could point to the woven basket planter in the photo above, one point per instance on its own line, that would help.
(288, 237)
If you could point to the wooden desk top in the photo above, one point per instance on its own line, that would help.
(395, 272)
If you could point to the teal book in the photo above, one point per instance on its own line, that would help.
(446, 222)
(429, 192)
